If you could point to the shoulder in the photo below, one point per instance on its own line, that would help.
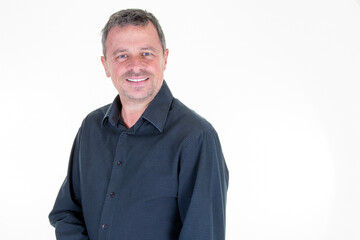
(96, 117)
(189, 123)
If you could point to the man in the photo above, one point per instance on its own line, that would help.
(144, 167)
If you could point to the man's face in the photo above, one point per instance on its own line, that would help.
(135, 61)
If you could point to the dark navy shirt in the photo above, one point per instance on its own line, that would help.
(164, 178)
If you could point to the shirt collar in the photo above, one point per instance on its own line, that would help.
(156, 113)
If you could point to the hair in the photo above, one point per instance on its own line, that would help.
(135, 17)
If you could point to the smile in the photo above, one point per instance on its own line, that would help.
(136, 80)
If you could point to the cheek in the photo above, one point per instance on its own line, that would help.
(117, 71)
(160, 67)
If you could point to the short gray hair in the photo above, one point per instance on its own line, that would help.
(135, 17)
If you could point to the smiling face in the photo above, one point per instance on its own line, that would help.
(135, 62)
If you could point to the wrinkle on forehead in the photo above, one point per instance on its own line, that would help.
(140, 37)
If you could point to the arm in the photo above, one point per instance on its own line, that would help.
(203, 183)
(66, 216)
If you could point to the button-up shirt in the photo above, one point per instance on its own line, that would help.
(164, 178)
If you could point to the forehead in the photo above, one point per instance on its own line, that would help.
(133, 35)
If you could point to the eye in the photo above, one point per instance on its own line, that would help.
(146, 54)
(122, 56)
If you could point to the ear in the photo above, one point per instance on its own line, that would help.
(166, 57)
(103, 60)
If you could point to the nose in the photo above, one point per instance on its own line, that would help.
(135, 63)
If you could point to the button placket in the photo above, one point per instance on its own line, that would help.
(113, 188)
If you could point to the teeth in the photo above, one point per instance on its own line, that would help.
(136, 80)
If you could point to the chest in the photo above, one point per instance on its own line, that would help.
(136, 167)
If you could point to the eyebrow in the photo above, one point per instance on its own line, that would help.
(149, 48)
(122, 50)
(118, 51)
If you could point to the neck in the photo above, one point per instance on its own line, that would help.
(131, 113)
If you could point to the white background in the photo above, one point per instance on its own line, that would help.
(278, 79)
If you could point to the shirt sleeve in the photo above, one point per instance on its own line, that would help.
(67, 216)
(203, 183)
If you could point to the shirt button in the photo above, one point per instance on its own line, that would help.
(104, 226)
(112, 194)
(119, 163)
